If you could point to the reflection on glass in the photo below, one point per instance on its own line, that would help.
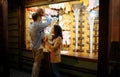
(79, 21)
(93, 13)
(76, 10)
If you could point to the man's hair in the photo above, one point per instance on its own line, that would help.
(35, 16)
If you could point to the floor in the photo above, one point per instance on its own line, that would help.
(16, 73)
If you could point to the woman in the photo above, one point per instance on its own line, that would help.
(54, 49)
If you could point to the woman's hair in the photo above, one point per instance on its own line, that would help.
(57, 31)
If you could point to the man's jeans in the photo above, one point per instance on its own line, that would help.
(38, 56)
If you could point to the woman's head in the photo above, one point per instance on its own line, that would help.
(57, 30)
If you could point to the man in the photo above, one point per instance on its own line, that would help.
(36, 35)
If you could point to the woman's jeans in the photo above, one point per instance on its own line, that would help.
(55, 69)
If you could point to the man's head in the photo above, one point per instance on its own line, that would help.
(35, 16)
(40, 12)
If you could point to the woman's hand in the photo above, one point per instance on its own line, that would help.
(45, 39)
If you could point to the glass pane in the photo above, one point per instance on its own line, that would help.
(79, 21)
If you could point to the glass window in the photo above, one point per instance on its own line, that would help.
(79, 21)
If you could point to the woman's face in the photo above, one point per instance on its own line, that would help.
(52, 30)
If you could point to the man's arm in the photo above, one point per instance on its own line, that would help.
(46, 24)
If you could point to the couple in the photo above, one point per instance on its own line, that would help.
(39, 42)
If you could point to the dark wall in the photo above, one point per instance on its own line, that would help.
(103, 38)
(1, 27)
(4, 68)
(115, 20)
(114, 30)
(13, 32)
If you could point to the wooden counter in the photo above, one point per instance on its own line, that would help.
(80, 55)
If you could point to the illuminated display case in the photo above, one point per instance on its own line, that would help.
(79, 21)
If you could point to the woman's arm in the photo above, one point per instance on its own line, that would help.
(57, 44)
